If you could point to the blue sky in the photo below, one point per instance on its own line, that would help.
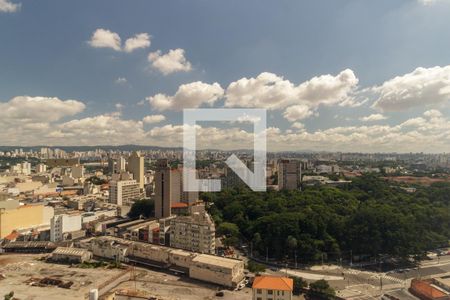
(48, 57)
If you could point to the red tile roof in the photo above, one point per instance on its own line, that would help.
(273, 283)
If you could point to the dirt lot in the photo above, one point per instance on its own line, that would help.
(170, 287)
(19, 268)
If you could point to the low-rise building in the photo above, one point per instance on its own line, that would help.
(272, 287)
(219, 270)
(222, 271)
(70, 255)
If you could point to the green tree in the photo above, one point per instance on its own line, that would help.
(255, 267)
(320, 290)
(143, 207)
(228, 229)
(9, 296)
(299, 285)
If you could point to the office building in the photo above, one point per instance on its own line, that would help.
(289, 174)
(123, 192)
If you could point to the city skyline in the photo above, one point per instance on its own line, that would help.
(344, 76)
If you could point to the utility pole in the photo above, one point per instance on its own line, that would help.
(351, 258)
(295, 256)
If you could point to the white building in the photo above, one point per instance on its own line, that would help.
(61, 224)
(123, 192)
(41, 168)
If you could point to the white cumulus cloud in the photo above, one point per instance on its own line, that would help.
(7, 6)
(373, 117)
(297, 112)
(171, 62)
(38, 109)
(140, 40)
(422, 87)
(191, 95)
(153, 119)
(104, 38)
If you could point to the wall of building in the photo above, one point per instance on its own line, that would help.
(26, 216)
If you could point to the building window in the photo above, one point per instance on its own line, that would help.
(258, 291)
(270, 292)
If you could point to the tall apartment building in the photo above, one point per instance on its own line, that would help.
(136, 167)
(195, 233)
(169, 189)
(64, 223)
(289, 174)
(123, 192)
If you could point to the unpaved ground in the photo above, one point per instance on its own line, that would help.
(170, 287)
(19, 268)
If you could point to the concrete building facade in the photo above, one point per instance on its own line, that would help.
(195, 233)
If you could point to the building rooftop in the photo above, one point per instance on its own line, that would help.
(217, 261)
(69, 251)
(273, 283)
(179, 205)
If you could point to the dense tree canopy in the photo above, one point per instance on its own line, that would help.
(368, 217)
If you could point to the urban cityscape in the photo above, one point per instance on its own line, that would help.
(354, 155)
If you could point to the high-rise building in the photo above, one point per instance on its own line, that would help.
(136, 167)
(195, 233)
(41, 168)
(289, 174)
(169, 189)
(163, 193)
(78, 171)
(121, 164)
(123, 192)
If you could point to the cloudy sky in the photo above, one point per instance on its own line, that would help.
(348, 75)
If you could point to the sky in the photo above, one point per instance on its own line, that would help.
(347, 75)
